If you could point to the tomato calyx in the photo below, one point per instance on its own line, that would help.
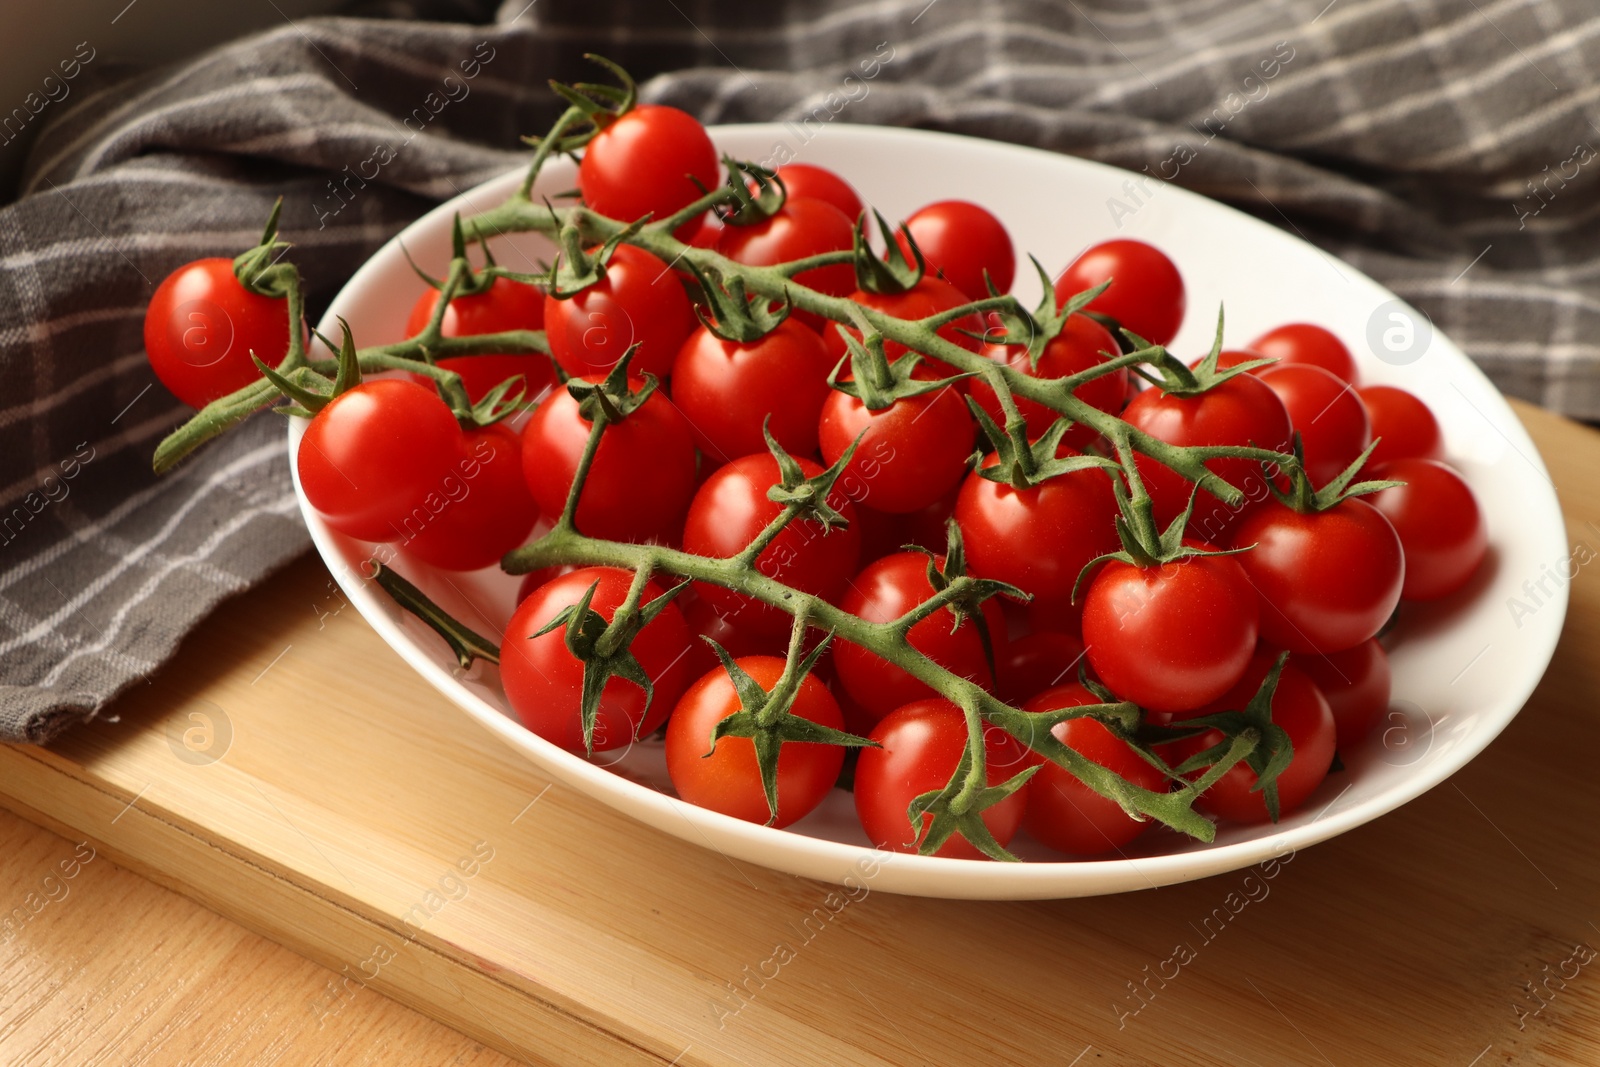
(576, 268)
(258, 269)
(1301, 496)
(468, 282)
(1023, 464)
(747, 208)
(1175, 378)
(599, 105)
(874, 380)
(893, 272)
(799, 496)
(307, 391)
(613, 398)
(958, 592)
(731, 313)
(467, 644)
(958, 806)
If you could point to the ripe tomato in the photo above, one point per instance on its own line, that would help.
(888, 588)
(1171, 637)
(726, 389)
(920, 747)
(1300, 709)
(1402, 425)
(1063, 812)
(728, 779)
(483, 509)
(732, 507)
(638, 301)
(505, 305)
(1355, 683)
(1327, 413)
(374, 454)
(1439, 523)
(1146, 294)
(544, 681)
(1079, 346)
(1301, 343)
(960, 242)
(929, 296)
(1240, 411)
(645, 163)
(1038, 539)
(1326, 581)
(910, 454)
(800, 228)
(642, 477)
(1036, 662)
(803, 181)
(202, 326)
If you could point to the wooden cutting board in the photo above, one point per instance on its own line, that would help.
(326, 797)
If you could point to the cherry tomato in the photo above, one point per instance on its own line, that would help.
(201, 327)
(1327, 413)
(732, 507)
(888, 588)
(727, 389)
(920, 747)
(803, 181)
(800, 228)
(1036, 662)
(728, 779)
(960, 242)
(483, 509)
(638, 301)
(1067, 815)
(909, 455)
(1355, 683)
(1402, 425)
(544, 681)
(646, 162)
(1082, 343)
(930, 296)
(1038, 539)
(1146, 294)
(1440, 525)
(1301, 343)
(505, 305)
(643, 474)
(374, 454)
(1326, 581)
(1170, 637)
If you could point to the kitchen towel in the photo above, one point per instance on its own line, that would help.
(1443, 147)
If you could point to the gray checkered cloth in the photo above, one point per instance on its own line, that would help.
(1440, 145)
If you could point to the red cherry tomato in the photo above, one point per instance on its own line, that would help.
(727, 778)
(909, 455)
(1036, 662)
(960, 242)
(1083, 343)
(1402, 424)
(1355, 683)
(1146, 294)
(505, 305)
(638, 301)
(800, 228)
(643, 474)
(646, 163)
(803, 181)
(1170, 637)
(371, 458)
(483, 510)
(1327, 413)
(1301, 343)
(544, 681)
(1439, 524)
(1325, 582)
(727, 389)
(920, 747)
(887, 589)
(930, 296)
(202, 326)
(732, 507)
(1067, 815)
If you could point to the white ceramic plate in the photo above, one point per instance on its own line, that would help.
(1462, 668)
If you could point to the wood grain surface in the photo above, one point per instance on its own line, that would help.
(343, 809)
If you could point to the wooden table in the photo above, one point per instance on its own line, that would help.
(354, 817)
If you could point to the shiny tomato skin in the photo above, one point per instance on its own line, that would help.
(1146, 294)
(801, 228)
(805, 181)
(201, 327)
(1402, 425)
(493, 512)
(643, 474)
(961, 242)
(1327, 414)
(505, 305)
(727, 389)
(1036, 662)
(930, 296)
(1440, 525)
(639, 300)
(910, 454)
(920, 747)
(1173, 636)
(646, 163)
(732, 507)
(727, 778)
(373, 455)
(1078, 347)
(1326, 581)
(1067, 815)
(1304, 343)
(544, 682)
(1356, 685)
